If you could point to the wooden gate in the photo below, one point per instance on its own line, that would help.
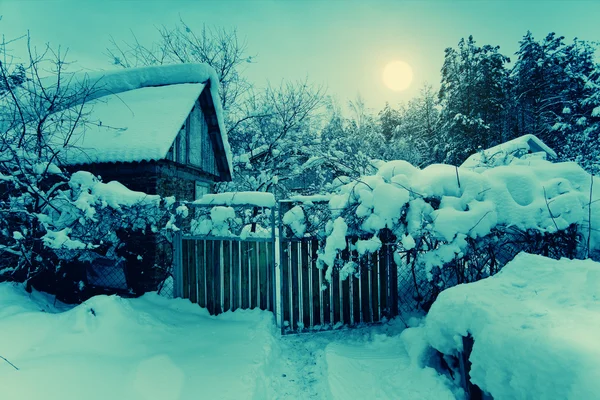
(308, 301)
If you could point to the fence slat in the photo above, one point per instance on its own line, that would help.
(375, 286)
(253, 256)
(185, 270)
(245, 276)
(235, 275)
(383, 281)
(262, 275)
(366, 290)
(284, 284)
(218, 275)
(200, 275)
(210, 278)
(316, 285)
(226, 267)
(305, 295)
(294, 265)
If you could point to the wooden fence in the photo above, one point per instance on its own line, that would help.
(227, 274)
(308, 301)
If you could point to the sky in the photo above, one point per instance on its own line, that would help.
(343, 45)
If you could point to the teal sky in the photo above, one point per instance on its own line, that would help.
(341, 44)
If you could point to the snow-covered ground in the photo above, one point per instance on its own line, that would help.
(154, 348)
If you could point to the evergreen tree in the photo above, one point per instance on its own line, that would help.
(473, 95)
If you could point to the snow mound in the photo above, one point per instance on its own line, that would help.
(535, 327)
(138, 349)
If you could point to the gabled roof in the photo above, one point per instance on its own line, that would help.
(135, 114)
(504, 153)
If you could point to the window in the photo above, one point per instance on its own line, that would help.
(202, 188)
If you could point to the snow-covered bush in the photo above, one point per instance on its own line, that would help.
(455, 225)
(231, 214)
(52, 221)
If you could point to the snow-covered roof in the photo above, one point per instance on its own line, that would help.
(504, 153)
(136, 125)
(135, 114)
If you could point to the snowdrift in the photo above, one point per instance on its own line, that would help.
(138, 349)
(535, 327)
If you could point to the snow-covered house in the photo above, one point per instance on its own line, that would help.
(157, 129)
(523, 147)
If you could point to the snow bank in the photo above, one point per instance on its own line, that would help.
(138, 349)
(535, 325)
(259, 199)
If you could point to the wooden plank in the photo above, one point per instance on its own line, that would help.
(235, 275)
(218, 276)
(393, 284)
(336, 288)
(185, 269)
(326, 298)
(245, 276)
(263, 268)
(253, 253)
(294, 281)
(201, 271)
(305, 292)
(284, 284)
(316, 285)
(375, 286)
(365, 289)
(226, 275)
(210, 288)
(347, 301)
(355, 287)
(383, 280)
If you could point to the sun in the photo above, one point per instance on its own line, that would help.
(397, 75)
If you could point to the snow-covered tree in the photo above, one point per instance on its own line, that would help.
(473, 93)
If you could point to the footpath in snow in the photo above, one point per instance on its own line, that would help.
(152, 348)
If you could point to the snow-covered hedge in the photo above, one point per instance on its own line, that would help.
(441, 213)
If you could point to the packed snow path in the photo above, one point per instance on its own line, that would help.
(369, 363)
(152, 348)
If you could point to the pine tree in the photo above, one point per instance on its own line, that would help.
(473, 96)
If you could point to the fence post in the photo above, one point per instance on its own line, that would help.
(177, 265)
(274, 294)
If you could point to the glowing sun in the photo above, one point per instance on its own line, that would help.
(397, 75)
